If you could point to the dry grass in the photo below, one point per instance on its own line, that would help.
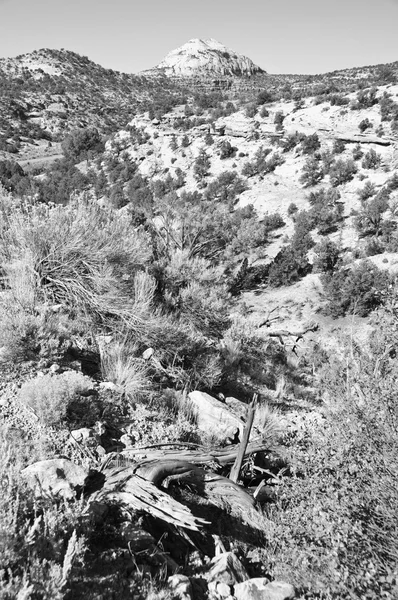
(120, 365)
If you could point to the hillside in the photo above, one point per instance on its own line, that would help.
(208, 273)
(47, 93)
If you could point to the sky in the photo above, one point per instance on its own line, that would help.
(281, 36)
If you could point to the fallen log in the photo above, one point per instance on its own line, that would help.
(124, 487)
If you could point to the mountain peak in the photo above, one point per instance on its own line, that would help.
(206, 58)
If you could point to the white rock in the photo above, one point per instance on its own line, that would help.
(56, 477)
(180, 586)
(206, 57)
(147, 354)
(82, 435)
(260, 589)
(212, 416)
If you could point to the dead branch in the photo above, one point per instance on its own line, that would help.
(234, 475)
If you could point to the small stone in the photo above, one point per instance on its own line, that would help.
(128, 440)
(82, 435)
(54, 368)
(227, 568)
(259, 588)
(109, 385)
(180, 586)
(147, 354)
(137, 538)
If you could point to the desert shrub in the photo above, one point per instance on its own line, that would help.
(327, 256)
(392, 183)
(356, 290)
(208, 139)
(371, 160)
(327, 158)
(226, 187)
(257, 165)
(292, 140)
(312, 172)
(288, 267)
(251, 111)
(185, 142)
(338, 147)
(273, 221)
(310, 143)
(292, 209)
(364, 125)
(264, 97)
(279, 118)
(326, 209)
(80, 256)
(365, 99)
(368, 190)
(338, 100)
(227, 150)
(51, 397)
(81, 144)
(370, 218)
(357, 152)
(201, 167)
(264, 112)
(342, 171)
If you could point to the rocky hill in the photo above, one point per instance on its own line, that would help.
(47, 93)
(206, 58)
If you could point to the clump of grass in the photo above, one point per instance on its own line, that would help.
(121, 366)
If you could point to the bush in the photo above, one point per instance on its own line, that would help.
(310, 143)
(82, 144)
(312, 172)
(342, 171)
(81, 256)
(356, 290)
(371, 160)
(226, 188)
(333, 533)
(357, 152)
(338, 147)
(227, 150)
(327, 256)
(51, 397)
(364, 125)
(368, 190)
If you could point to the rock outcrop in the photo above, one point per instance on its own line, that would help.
(205, 58)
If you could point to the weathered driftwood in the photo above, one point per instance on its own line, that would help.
(136, 485)
(234, 475)
(298, 334)
(123, 487)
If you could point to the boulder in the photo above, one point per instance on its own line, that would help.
(260, 589)
(58, 477)
(213, 416)
(227, 568)
(237, 407)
